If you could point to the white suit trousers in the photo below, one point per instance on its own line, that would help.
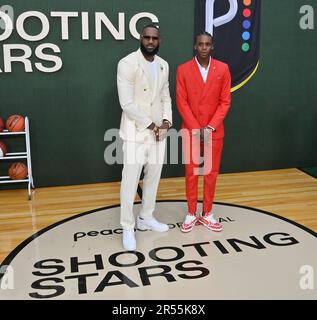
(135, 156)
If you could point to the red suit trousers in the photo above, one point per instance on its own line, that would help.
(193, 149)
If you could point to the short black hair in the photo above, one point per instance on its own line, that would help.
(151, 25)
(204, 33)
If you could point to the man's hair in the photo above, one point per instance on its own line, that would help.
(150, 25)
(204, 33)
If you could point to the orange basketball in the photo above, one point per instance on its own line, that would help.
(15, 123)
(3, 149)
(1, 125)
(18, 171)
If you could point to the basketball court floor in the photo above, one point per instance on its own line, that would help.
(66, 242)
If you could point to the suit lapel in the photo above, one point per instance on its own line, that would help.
(210, 78)
(160, 74)
(158, 78)
(145, 68)
(197, 74)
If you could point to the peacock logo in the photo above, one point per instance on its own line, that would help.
(235, 26)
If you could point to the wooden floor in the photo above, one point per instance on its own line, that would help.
(289, 193)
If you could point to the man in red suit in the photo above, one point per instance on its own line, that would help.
(203, 99)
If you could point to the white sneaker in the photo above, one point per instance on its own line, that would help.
(128, 240)
(189, 223)
(209, 221)
(210, 217)
(151, 224)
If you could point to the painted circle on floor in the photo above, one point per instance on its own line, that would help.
(258, 255)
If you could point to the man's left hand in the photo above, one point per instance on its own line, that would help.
(206, 135)
(163, 129)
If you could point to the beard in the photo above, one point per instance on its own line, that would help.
(147, 52)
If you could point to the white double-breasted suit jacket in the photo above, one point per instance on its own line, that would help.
(143, 99)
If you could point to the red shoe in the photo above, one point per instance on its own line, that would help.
(209, 222)
(189, 223)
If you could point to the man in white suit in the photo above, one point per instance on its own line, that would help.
(143, 90)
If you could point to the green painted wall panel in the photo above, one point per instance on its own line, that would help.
(271, 123)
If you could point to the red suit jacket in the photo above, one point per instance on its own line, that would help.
(199, 103)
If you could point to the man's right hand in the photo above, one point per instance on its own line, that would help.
(155, 130)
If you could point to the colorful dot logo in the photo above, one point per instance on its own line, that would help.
(246, 25)
(247, 2)
(245, 47)
(246, 36)
(246, 13)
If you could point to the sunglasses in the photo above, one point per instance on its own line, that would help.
(149, 38)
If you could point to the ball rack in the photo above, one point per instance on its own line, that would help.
(20, 155)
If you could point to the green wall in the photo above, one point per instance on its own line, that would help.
(271, 124)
